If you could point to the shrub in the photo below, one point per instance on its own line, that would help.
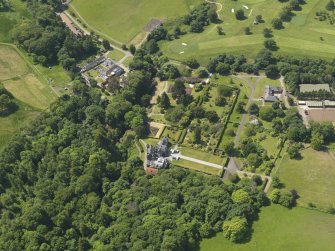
(235, 229)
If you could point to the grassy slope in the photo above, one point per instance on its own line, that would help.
(20, 80)
(105, 15)
(29, 83)
(313, 177)
(301, 37)
(11, 124)
(280, 229)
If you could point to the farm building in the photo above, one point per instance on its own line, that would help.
(93, 64)
(329, 103)
(270, 93)
(314, 104)
(314, 88)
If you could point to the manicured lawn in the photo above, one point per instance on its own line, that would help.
(193, 153)
(281, 229)
(313, 177)
(301, 37)
(122, 20)
(116, 55)
(21, 80)
(11, 124)
(195, 166)
(128, 61)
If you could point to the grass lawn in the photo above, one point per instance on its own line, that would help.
(122, 20)
(279, 229)
(56, 77)
(128, 61)
(193, 153)
(31, 90)
(20, 79)
(11, 64)
(195, 166)
(116, 55)
(300, 37)
(313, 177)
(11, 124)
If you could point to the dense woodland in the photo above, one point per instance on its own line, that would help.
(7, 103)
(67, 183)
(47, 40)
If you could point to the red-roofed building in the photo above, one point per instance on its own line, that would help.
(188, 91)
(152, 171)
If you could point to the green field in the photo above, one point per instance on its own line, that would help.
(195, 166)
(116, 55)
(301, 37)
(193, 153)
(19, 79)
(313, 177)
(123, 20)
(31, 94)
(281, 229)
(11, 124)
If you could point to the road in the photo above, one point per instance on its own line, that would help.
(231, 168)
(285, 94)
(232, 165)
(250, 100)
